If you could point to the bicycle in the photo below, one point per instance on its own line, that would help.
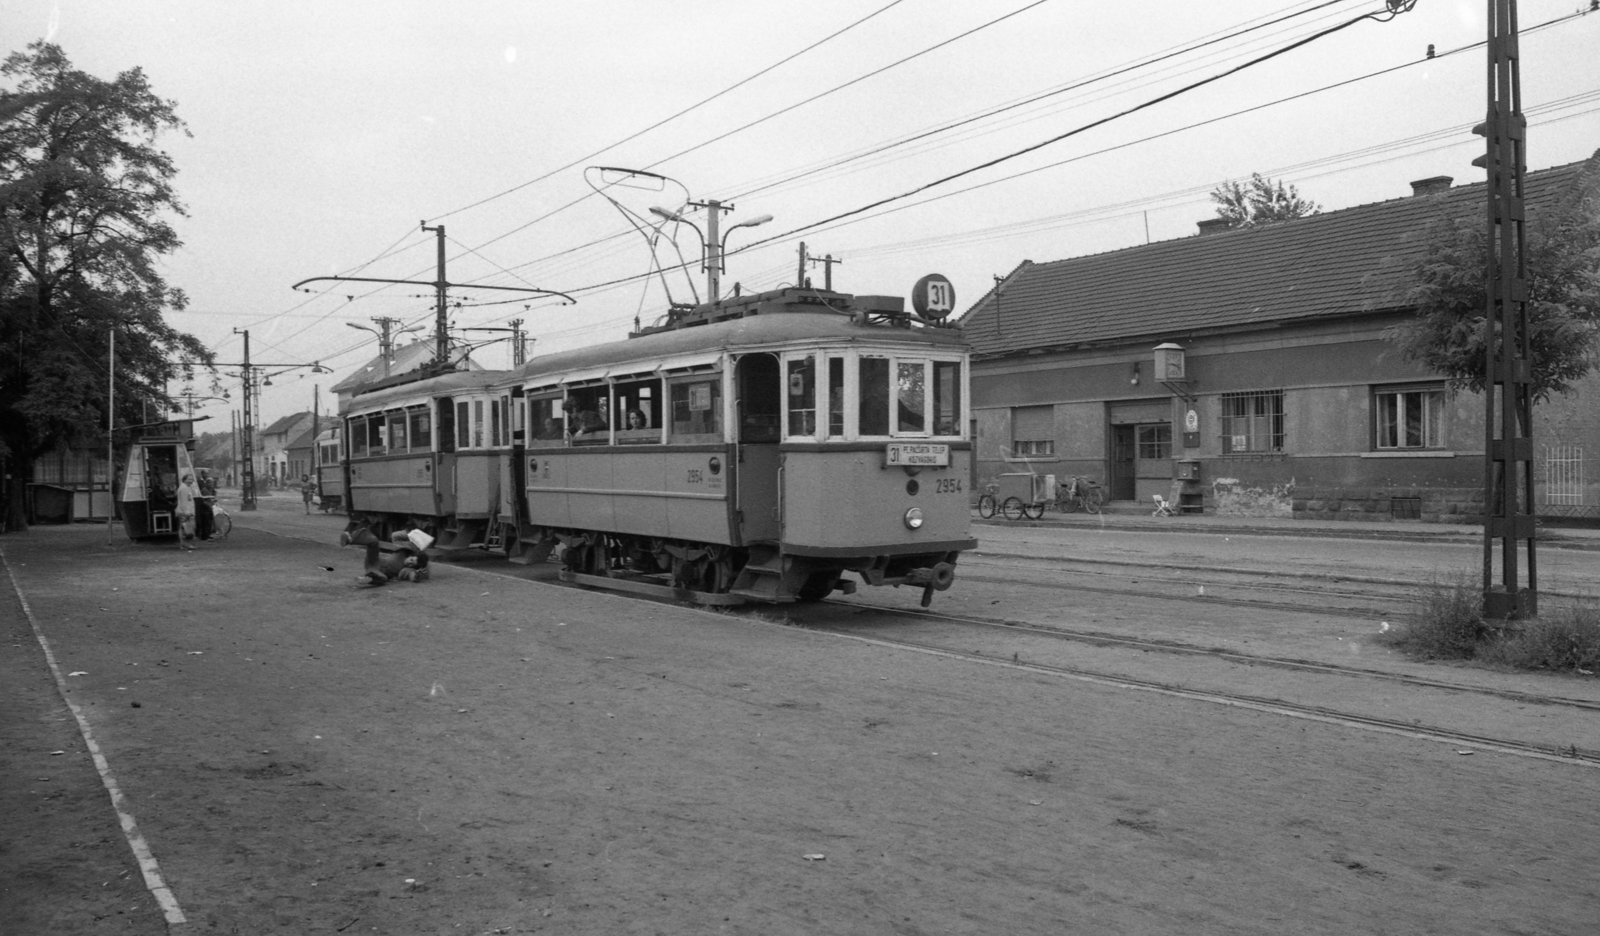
(1079, 494)
(987, 503)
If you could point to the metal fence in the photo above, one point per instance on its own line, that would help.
(1563, 475)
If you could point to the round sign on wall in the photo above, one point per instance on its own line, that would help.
(1191, 421)
(934, 297)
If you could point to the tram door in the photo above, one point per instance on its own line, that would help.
(759, 410)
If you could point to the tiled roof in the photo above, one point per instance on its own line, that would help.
(286, 423)
(1340, 262)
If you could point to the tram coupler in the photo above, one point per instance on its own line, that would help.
(938, 577)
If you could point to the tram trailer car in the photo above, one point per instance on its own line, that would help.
(757, 448)
(330, 468)
(429, 455)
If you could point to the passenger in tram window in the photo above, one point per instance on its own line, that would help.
(637, 420)
(583, 422)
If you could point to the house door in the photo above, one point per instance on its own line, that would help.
(1122, 463)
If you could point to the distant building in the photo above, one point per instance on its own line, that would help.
(272, 448)
(1290, 400)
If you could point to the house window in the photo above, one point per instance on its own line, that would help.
(1154, 440)
(1408, 418)
(1033, 430)
(1252, 422)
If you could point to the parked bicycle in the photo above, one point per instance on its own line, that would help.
(986, 502)
(1079, 493)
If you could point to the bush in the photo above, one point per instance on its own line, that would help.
(1447, 624)
(1562, 639)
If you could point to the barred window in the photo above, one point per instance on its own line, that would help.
(1033, 430)
(1408, 418)
(1252, 422)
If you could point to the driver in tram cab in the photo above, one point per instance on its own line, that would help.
(582, 422)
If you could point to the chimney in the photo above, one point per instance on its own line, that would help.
(1431, 185)
(1213, 226)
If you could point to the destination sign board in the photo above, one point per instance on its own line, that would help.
(917, 453)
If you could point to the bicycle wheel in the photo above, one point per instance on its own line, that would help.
(986, 506)
(222, 525)
(1068, 503)
(1092, 498)
(1033, 511)
(1012, 508)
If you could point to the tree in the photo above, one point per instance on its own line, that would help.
(1563, 256)
(85, 198)
(1260, 201)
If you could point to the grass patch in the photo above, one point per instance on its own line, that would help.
(1448, 624)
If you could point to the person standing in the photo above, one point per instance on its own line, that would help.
(184, 511)
(308, 490)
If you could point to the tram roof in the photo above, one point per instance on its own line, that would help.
(444, 384)
(756, 332)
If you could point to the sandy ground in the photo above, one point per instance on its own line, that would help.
(476, 755)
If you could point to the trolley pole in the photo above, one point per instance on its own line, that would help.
(1507, 387)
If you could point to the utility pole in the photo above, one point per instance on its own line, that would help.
(714, 210)
(800, 276)
(441, 317)
(519, 351)
(316, 430)
(386, 337)
(247, 464)
(1507, 386)
(827, 269)
(998, 282)
(441, 286)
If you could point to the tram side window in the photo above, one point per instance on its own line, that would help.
(447, 425)
(873, 414)
(548, 429)
(697, 410)
(912, 397)
(494, 422)
(463, 425)
(587, 408)
(421, 429)
(638, 410)
(803, 396)
(397, 433)
(376, 434)
(477, 424)
(835, 397)
(358, 437)
(947, 398)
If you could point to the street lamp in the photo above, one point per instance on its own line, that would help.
(712, 246)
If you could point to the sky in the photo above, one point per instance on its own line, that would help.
(322, 135)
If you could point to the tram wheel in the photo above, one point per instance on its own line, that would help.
(818, 585)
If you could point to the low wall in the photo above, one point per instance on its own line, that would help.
(1432, 505)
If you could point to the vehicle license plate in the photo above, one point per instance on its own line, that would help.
(917, 453)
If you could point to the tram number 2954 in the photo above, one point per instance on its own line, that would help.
(947, 486)
(695, 476)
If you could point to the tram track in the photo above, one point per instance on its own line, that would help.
(1570, 755)
(1100, 639)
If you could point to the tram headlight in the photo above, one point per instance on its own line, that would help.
(913, 518)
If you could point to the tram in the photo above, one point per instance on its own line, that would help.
(330, 468)
(761, 448)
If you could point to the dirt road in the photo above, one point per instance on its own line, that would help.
(472, 755)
